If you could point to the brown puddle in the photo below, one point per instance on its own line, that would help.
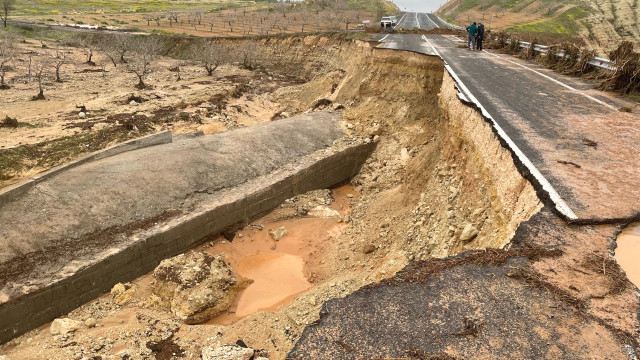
(628, 251)
(276, 278)
(282, 269)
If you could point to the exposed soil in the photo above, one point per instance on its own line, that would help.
(438, 186)
(48, 133)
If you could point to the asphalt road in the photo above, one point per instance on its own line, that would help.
(570, 137)
(418, 21)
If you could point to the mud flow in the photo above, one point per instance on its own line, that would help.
(628, 252)
(277, 269)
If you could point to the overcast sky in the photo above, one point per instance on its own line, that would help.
(419, 5)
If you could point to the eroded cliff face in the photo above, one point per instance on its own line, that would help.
(439, 183)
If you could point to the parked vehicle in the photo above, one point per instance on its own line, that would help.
(393, 20)
(386, 22)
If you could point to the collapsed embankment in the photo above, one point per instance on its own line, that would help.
(438, 183)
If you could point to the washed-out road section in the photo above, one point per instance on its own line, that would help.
(553, 123)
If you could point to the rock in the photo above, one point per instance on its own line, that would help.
(323, 211)
(477, 211)
(278, 233)
(338, 106)
(350, 196)
(404, 155)
(321, 103)
(4, 357)
(123, 293)
(152, 301)
(346, 219)
(469, 233)
(198, 286)
(375, 130)
(64, 326)
(133, 103)
(285, 115)
(82, 115)
(227, 352)
(369, 248)
(90, 322)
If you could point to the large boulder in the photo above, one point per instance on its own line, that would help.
(64, 326)
(469, 233)
(197, 285)
(227, 352)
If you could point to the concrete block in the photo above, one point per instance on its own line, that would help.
(239, 205)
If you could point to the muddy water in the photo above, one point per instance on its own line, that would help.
(275, 278)
(628, 252)
(280, 270)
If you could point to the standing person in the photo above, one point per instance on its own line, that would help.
(473, 31)
(480, 37)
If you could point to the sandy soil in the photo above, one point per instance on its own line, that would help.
(233, 97)
(238, 22)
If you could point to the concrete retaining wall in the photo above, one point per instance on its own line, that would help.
(11, 192)
(145, 250)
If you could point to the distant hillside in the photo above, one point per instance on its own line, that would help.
(601, 23)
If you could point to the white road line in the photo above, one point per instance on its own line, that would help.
(417, 21)
(434, 24)
(398, 24)
(383, 38)
(433, 47)
(561, 206)
(556, 81)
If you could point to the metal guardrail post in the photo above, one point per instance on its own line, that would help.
(597, 61)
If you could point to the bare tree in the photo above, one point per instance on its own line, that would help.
(195, 16)
(304, 20)
(107, 44)
(123, 43)
(148, 17)
(172, 15)
(5, 7)
(146, 49)
(209, 54)
(59, 59)
(157, 17)
(40, 66)
(247, 53)
(7, 53)
(87, 44)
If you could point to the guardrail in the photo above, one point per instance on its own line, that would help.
(597, 61)
(451, 26)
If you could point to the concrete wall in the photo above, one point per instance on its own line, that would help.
(13, 191)
(239, 205)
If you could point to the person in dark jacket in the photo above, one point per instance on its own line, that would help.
(473, 31)
(480, 37)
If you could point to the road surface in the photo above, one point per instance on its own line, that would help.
(570, 137)
(419, 21)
